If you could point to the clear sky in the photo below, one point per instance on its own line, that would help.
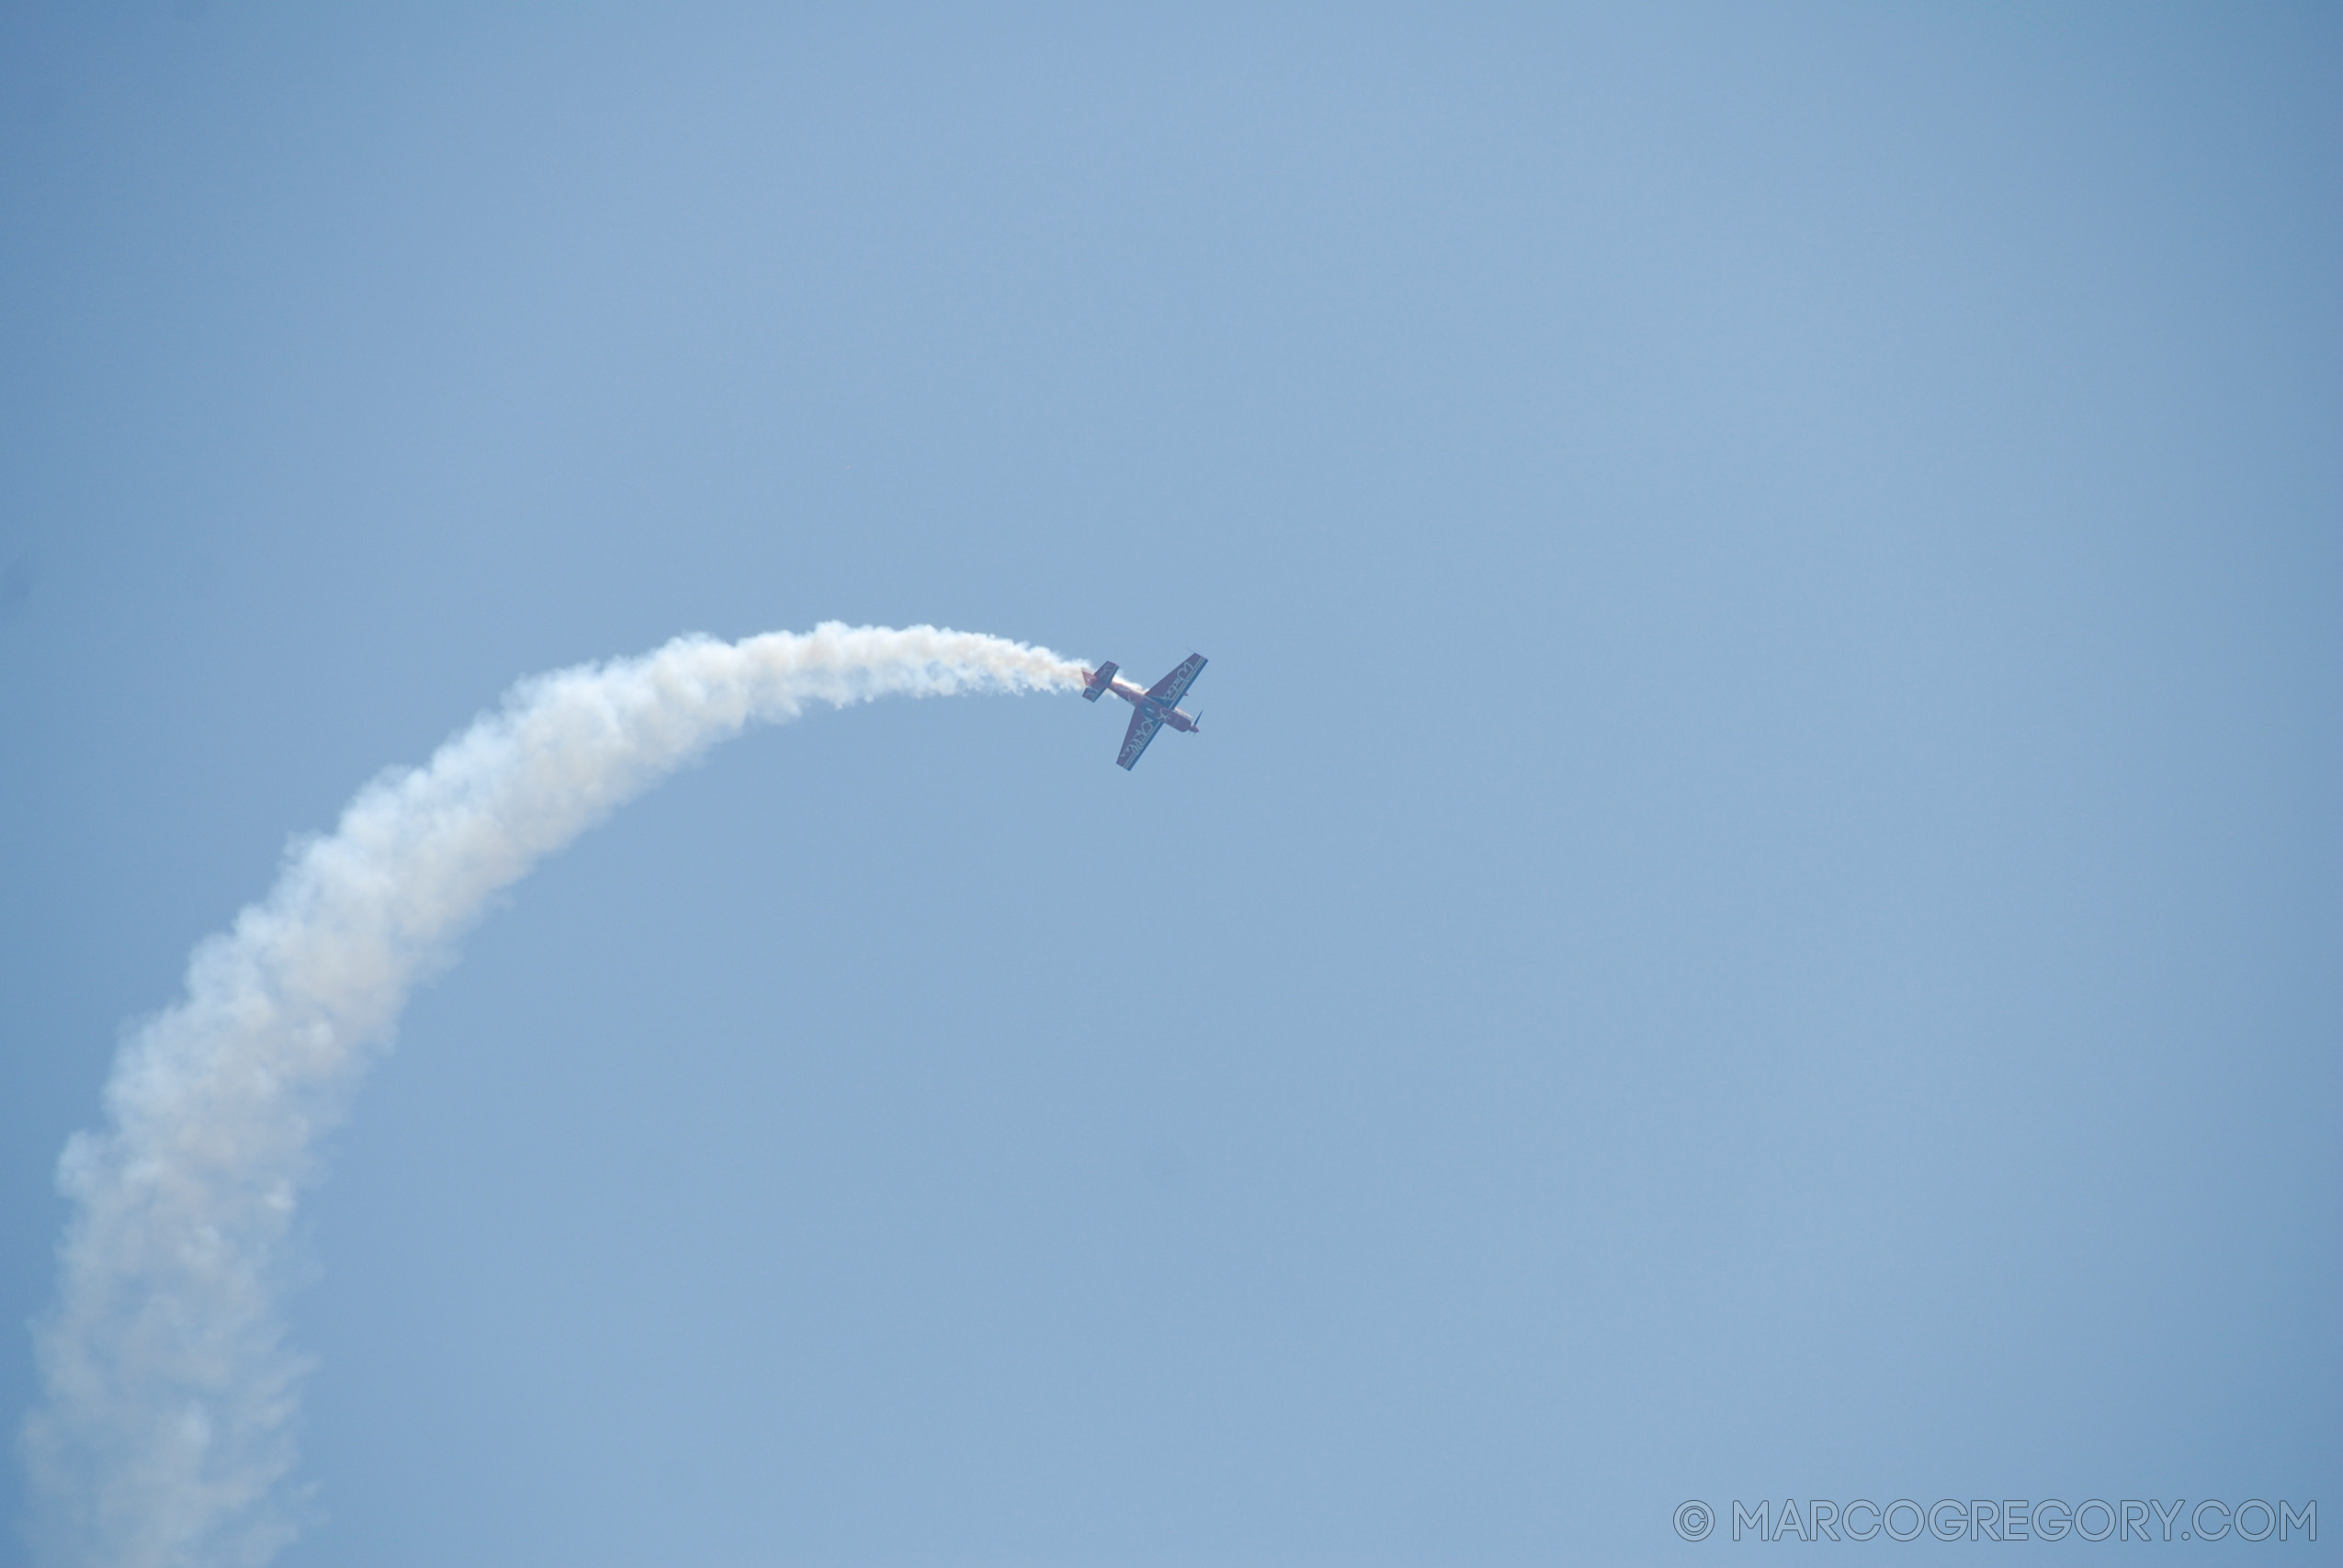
(1758, 911)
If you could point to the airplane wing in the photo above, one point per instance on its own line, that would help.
(1143, 728)
(1173, 687)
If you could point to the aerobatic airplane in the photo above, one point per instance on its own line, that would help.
(1158, 705)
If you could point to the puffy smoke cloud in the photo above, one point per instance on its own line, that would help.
(164, 1438)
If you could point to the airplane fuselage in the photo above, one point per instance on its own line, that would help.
(1178, 719)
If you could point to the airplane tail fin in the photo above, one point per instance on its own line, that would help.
(1095, 682)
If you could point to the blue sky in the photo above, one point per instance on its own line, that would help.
(1756, 914)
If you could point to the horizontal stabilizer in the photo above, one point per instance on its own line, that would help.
(1096, 680)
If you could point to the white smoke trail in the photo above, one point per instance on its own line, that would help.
(166, 1437)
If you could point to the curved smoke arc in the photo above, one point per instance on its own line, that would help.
(164, 1438)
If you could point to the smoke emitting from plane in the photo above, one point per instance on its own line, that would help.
(165, 1440)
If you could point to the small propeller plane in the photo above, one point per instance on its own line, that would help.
(1158, 705)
